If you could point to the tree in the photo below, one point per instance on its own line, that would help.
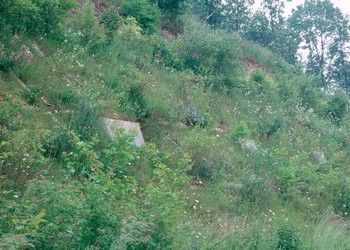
(229, 14)
(172, 11)
(339, 65)
(237, 13)
(274, 10)
(209, 11)
(269, 28)
(323, 32)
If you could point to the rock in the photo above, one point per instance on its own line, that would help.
(248, 145)
(180, 125)
(219, 130)
(112, 124)
(37, 49)
(319, 157)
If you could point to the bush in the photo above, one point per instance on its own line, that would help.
(24, 152)
(138, 101)
(13, 51)
(341, 198)
(86, 122)
(288, 238)
(33, 94)
(240, 131)
(210, 52)
(146, 14)
(86, 28)
(34, 17)
(110, 20)
(199, 144)
(337, 107)
(7, 114)
(256, 190)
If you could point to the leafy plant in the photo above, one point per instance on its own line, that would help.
(35, 17)
(146, 14)
(86, 122)
(86, 29)
(288, 238)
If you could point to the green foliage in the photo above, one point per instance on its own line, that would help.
(240, 131)
(110, 20)
(33, 94)
(83, 214)
(66, 185)
(86, 122)
(337, 107)
(341, 200)
(7, 113)
(198, 143)
(24, 156)
(288, 238)
(255, 190)
(323, 31)
(63, 97)
(35, 17)
(330, 233)
(210, 52)
(12, 51)
(85, 28)
(136, 98)
(173, 12)
(269, 29)
(146, 14)
(82, 160)
(120, 153)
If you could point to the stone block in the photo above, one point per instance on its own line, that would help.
(113, 124)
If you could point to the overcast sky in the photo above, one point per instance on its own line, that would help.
(344, 5)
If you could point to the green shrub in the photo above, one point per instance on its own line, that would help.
(138, 101)
(240, 131)
(33, 95)
(86, 29)
(271, 125)
(209, 52)
(86, 122)
(62, 97)
(59, 144)
(7, 114)
(341, 198)
(337, 106)
(13, 51)
(199, 144)
(110, 19)
(256, 190)
(35, 17)
(288, 238)
(146, 14)
(25, 156)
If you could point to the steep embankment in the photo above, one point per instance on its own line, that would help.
(243, 151)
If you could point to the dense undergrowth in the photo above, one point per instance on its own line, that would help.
(199, 96)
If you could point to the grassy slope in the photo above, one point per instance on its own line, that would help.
(236, 199)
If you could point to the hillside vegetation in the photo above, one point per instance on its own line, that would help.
(243, 150)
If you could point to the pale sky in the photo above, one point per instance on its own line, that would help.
(343, 5)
